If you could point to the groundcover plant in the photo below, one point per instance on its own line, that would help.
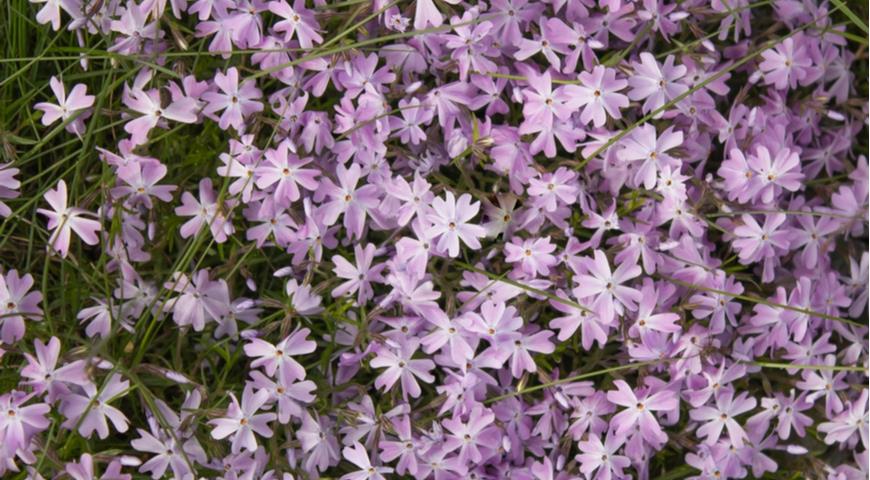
(433, 239)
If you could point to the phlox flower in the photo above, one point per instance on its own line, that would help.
(43, 374)
(765, 242)
(297, 21)
(639, 410)
(357, 455)
(782, 172)
(347, 198)
(148, 103)
(449, 334)
(67, 106)
(472, 435)
(520, 356)
(592, 327)
(412, 198)
(90, 408)
(141, 184)
(656, 84)
(84, 469)
(647, 321)
(290, 396)
(849, 425)
(200, 299)
(450, 223)
(553, 189)
(280, 357)
(17, 302)
(533, 255)
(409, 127)
(360, 277)
(404, 447)
(318, 442)
(787, 64)
(598, 95)
(400, 366)
(242, 420)
(63, 220)
(601, 457)
(611, 296)
(205, 211)
(237, 101)
(649, 150)
(282, 169)
(50, 12)
(824, 383)
(9, 186)
(302, 299)
(20, 422)
(722, 417)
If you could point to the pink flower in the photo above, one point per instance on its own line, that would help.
(67, 106)
(404, 447)
(851, 424)
(84, 470)
(650, 150)
(520, 358)
(534, 255)
(787, 64)
(638, 411)
(722, 416)
(291, 396)
(551, 190)
(205, 211)
(427, 14)
(412, 197)
(656, 84)
(63, 220)
(280, 357)
(357, 455)
(44, 375)
(318, 442)
(360, 277)
(298, 21)
(19, 423)
(756, 243)
(592, 327)
(8, 187)
(348, 199)
(450, 223)
(449, 334)
(598, 96)
(141, 184)
(282, 169)
(647, 321)
(472, 435)
(400, 366)
(16, 304)
(242, 421)
(543, 104)
(783, 172)
(201, 300)
(90, 411)
(236, 102)
(611, 296)
(50, 12)
(148, 103)
(414, 116)
(595, 455)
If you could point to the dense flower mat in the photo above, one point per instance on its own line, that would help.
(507, 239)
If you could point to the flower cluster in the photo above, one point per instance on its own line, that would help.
(440, 239)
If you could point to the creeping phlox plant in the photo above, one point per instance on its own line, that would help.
(434, 239)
